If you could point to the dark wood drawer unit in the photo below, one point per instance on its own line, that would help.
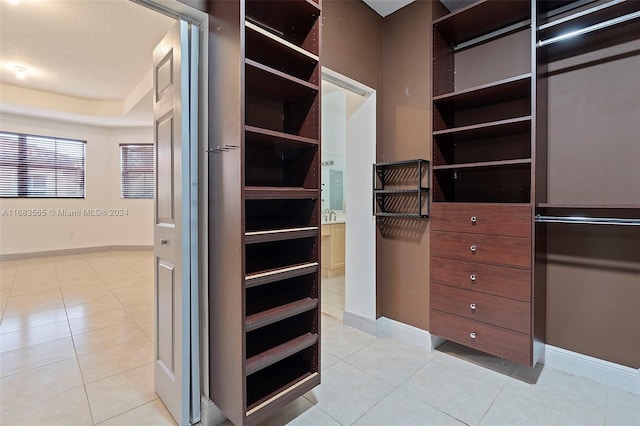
(484, 248)
(500, 311)
(513, 220)
(484, 337)
(498, 280)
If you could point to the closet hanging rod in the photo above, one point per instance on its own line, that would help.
(591, 28)
(587, 220)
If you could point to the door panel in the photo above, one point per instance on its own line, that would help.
(171, 236)
(165, 200)
(166, 321)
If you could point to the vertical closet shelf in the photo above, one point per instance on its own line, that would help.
(483, 169)
(278, 314)
(398, 189)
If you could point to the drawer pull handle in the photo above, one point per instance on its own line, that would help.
(473, 306)
(474, 219)
(473, 248)
(472, 277)
(472, 335)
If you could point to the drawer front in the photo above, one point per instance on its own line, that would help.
(492, 249)
(496, 341)
(515, 221)
(499, 280)
(500, 311)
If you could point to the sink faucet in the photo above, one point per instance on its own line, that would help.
(333, 214)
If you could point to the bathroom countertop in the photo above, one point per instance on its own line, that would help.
(338, 220)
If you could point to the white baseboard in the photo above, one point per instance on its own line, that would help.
(210, 414)
(68, 252)
(407, 333)
(366, 325)
(599, 370)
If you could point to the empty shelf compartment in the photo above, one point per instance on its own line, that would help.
(263, 339)
(277, 164)
(510, 147)
(278, 214)
(498, 184)
(488, 103)
(275, 52)
(271, 256)
(280, 376)
(293, 20)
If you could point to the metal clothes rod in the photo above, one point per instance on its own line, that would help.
(589, 29)
(587, 220)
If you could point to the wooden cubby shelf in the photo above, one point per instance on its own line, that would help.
(254, 237)
(499, 91)
(486, 130)
(267, 136)
(482, 164)
(281, 193)
(265, 289)
(480, 18)
(279, 313)
(280, 352)
(293, 20)
(270, 83)
(265, 277)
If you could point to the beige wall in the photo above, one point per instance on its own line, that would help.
(55, 232)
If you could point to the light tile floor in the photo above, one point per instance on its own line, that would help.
(76, 348)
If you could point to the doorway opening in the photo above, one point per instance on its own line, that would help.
(89, 262)
(348, 227)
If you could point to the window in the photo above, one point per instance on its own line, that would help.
(41, 167)
(136, 165)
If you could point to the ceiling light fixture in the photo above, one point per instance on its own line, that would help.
(21, 72)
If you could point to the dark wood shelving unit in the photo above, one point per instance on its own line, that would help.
(480, 18)
(482, 164)
(265, 292)
(484, 130)
(267, 136)
(268, 193)
(279, 313)
(280, 352)
(495, 92)
(254, 237)
(401, 189)
(483, 178)
(265, 277)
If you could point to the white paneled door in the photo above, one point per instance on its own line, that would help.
(174, 142)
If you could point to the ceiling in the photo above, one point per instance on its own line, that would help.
(87, 61)
(387, 7)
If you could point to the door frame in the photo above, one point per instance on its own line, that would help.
(196, 174)
(360, 267)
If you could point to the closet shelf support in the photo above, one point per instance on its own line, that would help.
(587, 220)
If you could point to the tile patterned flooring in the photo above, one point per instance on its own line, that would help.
(76, 348)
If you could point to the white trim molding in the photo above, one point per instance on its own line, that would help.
(406, 333)
(609, 373)
(366, 325)
(73, 251)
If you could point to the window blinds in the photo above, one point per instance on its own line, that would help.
(136, 165)
(41, 167)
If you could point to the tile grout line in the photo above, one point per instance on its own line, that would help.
(75, 350)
